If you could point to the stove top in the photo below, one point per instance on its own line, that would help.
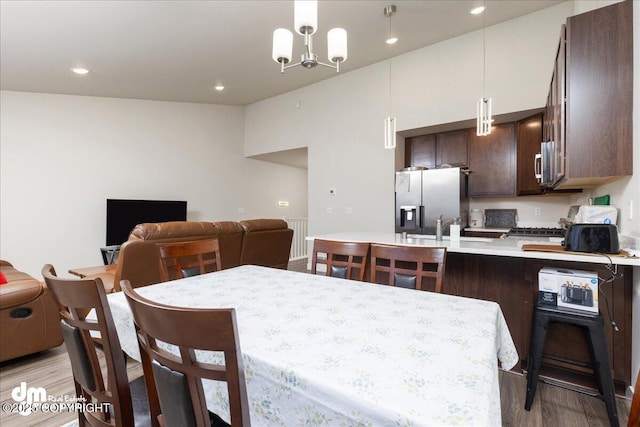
(537, 232)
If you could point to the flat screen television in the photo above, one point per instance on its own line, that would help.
(123, 215)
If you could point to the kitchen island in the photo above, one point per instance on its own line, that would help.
(499, 270)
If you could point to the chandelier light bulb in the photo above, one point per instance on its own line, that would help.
(337, 45)
(305, 14)
(282, 45)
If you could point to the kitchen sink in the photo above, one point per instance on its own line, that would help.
(462, 238)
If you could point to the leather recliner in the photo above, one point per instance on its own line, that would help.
(29, 317)
(266, 242)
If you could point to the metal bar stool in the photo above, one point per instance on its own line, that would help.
(593, 325)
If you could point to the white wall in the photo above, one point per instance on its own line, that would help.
(442, 83)
(62, 156)
(340, 120)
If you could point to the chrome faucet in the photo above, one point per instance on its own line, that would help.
(441, 226)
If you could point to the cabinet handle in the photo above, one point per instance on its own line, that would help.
(537, 166)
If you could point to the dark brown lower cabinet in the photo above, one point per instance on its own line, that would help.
(513, 283)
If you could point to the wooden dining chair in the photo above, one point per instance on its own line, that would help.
(634, 412)
(408, 266)
(114, 401)
(178, 377)
(346, 260)
(189, 258)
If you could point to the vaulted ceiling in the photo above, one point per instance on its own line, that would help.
(179, 50)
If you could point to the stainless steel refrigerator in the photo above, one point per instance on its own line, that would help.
(423, 195)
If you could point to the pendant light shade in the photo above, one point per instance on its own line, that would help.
(305, 16)
(337, 45)
(483, 108)
(389, 121)
(282, 45)
(484, 117)
(390, 133)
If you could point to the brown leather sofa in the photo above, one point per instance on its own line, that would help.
(265, 242)
(29, 317)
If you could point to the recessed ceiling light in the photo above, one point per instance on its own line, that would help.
(477, 10)
(80, 71)
(219, 88)
(391, 40)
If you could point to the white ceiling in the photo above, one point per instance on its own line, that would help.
(178, 50)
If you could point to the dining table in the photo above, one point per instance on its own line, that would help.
(319, 350)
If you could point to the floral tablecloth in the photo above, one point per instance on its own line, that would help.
(323, 351)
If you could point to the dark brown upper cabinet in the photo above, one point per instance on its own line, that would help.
(529, 136)
(437, 149)
(598, 97)
(420, 151)
(492, 160)
(452, 148)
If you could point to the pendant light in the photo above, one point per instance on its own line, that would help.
(390, 122)
(483, 108)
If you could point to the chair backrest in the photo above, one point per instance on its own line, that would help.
(347, 260)
(266, 242)
(190, 258)
(177, 376)
(634, 413)
(407, 266)
(106, 388)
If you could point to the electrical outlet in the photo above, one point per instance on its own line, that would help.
(537, 211)
(329, 211)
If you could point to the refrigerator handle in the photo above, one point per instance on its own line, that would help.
(421, 216)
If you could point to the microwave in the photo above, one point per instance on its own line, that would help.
(549, 164)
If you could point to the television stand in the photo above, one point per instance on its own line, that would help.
(110, 254)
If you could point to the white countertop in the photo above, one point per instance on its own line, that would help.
(510, 246)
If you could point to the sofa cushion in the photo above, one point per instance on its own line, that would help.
(252, 225)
